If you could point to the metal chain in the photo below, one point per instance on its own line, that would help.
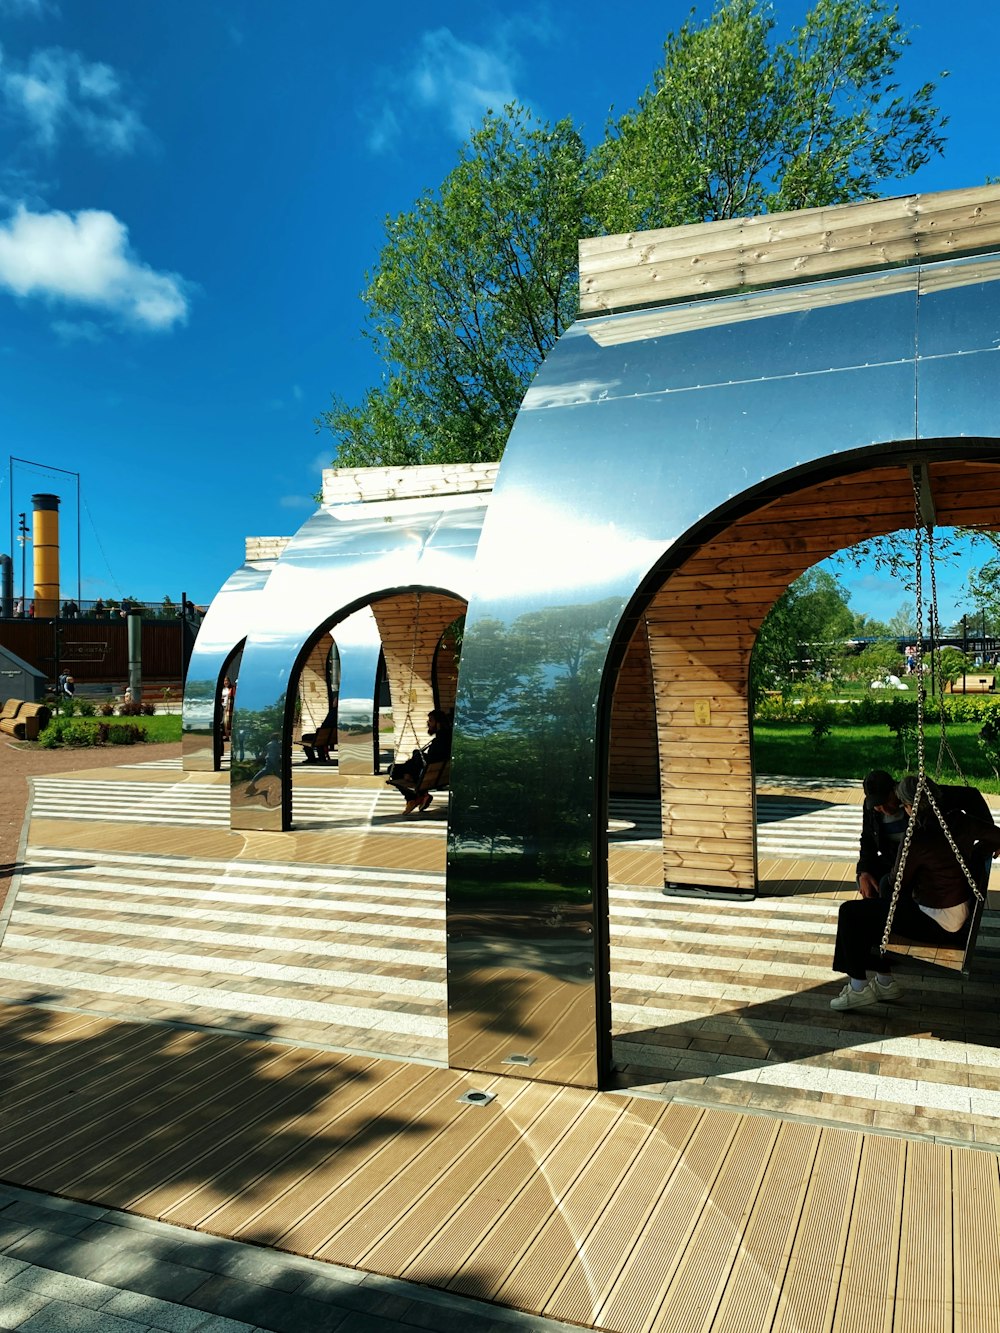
(922, 788)
(408, 720)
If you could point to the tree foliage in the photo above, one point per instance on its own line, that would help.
(476, 282)
(472, 288)
(803, 635)
(737, 124)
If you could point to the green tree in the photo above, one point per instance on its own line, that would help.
(476, 282)
(472, 288)
(805, 632)
(736, 123)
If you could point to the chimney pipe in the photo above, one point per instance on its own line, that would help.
(46, 553)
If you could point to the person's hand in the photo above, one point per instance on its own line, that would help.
(867, 885)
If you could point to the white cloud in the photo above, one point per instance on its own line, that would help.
(448, 79)
(55, 90)
(86, 260)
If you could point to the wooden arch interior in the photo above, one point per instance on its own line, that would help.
(410, 625)
(680, 716)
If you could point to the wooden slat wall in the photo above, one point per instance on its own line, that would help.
(702, 625)
(410, 636)
(635, 757)
(706, 259)
(314, 694)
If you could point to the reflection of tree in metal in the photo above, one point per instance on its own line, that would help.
(531, 788)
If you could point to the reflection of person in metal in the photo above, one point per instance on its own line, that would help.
(228, 701)
(271, 767)
(425, 767)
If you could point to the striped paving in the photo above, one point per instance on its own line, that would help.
(336, 956)
(712, 1001)
(206, 805)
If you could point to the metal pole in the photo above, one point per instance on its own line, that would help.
(135, 656)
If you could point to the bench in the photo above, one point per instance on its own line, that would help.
(974, 684)
(24, 721)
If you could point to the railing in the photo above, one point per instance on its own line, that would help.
(105, 609)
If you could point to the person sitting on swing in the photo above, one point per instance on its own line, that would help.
(414, 777)
(883, 825)
(934, 903)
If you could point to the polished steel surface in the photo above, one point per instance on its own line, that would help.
(628, 451)
(223, 629)
(340, 560)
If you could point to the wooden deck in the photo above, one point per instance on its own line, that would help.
(134, 967)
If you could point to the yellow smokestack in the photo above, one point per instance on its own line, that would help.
(46, 544)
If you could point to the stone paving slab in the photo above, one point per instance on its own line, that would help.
(83, 1269)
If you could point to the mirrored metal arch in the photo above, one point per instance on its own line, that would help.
(340, 560)
(220, 634)
(639, 430)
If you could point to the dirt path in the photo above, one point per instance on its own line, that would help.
(18, 762)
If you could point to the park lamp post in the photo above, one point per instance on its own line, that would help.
(22, 541)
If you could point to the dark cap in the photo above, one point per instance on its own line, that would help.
(879, 786)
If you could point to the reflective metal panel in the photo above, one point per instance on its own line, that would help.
(959, 349)
(339, 560)
(225, 625)
(359, 646)
(621, 450)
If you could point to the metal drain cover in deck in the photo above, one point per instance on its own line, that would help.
(475, 1098)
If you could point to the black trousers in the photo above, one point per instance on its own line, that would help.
(861, 923)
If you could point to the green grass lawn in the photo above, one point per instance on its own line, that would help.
(160, 728)
(850, 752)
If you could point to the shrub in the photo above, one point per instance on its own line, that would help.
(148, 710)
(130, 708)
(86, 708)
(106, 709)
(124, 733)
(821, 716)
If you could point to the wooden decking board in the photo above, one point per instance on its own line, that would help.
(545, 1193)
(871, 1259)
(646, 1275)
(404, 1234)
(358, 1212)
(104, 1085)
(620, 1225)
(976, 1225)
(700, 1278)
(338, 1125)
(104, 1045)
(99, 1125)
(209, 1158)
(925, 1284)
(553, 1256)
(223, 1108)
(809, 1292)
(500, 1188)
(751, 1291)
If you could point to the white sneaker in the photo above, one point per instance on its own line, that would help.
(887, 990)
(849, 998)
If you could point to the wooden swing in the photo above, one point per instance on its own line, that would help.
(923, 516)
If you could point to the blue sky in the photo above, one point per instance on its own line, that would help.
(191, 192)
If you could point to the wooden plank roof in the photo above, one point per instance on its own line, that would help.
(705, 259)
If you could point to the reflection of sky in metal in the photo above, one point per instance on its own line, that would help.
(349, 554)
(226, 622)
(640, 436)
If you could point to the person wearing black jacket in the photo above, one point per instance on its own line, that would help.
(883, 824)
(935, 898)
